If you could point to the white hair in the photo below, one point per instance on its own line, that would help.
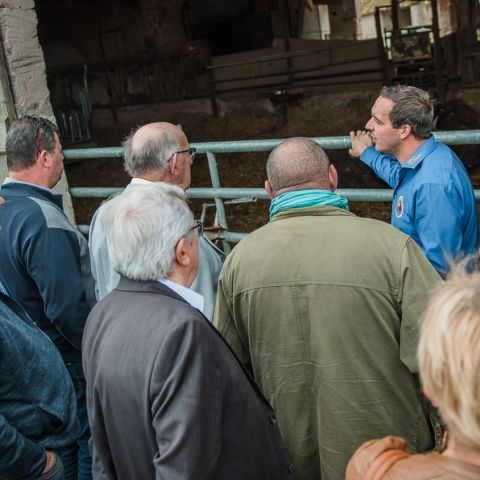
(142, 227)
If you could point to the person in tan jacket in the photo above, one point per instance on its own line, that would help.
(449, 362)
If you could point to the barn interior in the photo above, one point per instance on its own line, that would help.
(243, 69)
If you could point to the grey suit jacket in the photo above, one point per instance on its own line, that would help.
(168, 399)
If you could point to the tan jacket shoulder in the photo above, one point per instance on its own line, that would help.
(389, 459)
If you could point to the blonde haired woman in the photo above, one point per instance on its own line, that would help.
(449, 362)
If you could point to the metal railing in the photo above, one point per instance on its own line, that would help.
(219, 194)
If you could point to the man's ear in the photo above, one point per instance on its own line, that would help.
(172, 165)
(182, 255)
(43, 159)
(405, 131)
(269, 189)
(332, 177)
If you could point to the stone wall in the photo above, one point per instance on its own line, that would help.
(24, 76)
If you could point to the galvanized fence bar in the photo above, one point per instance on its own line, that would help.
(466, 137)
(219, 194)
(353, 194)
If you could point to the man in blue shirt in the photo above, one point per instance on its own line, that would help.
(433, 199)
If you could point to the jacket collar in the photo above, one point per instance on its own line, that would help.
(323, 211)
(420, 153)
(148, 286)
(192, 297)
(22, 189)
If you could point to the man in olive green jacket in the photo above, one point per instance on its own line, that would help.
(324, 308)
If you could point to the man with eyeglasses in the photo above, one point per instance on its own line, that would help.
(44, 260)
(167, 398)
(156, 152)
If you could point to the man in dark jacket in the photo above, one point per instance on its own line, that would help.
(37, 400)
(166, 396)
(44, 261)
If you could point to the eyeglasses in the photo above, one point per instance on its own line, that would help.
(198, 226)
(191, 152)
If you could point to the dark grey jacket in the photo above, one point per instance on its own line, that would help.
(167, 398)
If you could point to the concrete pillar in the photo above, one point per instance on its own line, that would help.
(344, 18)
(27, 79)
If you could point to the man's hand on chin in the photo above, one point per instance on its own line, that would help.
(360, 141)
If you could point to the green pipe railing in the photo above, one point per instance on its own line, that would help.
(219, 194)
(353, 194)
(465, 137)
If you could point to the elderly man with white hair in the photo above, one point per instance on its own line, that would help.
(166, 396)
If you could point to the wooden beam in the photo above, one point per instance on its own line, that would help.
(395, 17)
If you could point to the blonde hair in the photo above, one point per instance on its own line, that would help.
(449, 355)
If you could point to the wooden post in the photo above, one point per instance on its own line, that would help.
(437, 53)
(395, 18)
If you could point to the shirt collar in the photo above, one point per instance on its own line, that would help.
(140, 181)
(193, 298)
(13, 180)
(420, 153)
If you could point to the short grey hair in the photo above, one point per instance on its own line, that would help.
(153, 154)
(142, 225)
(413, 106)
(297, 161)
(26, 138)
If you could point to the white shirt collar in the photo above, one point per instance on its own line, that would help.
(140, 181)
(13, 180)
(193, 298)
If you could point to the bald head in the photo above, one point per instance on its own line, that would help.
(149, 148)
(298, 163)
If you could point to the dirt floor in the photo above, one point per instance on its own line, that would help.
(308, 113)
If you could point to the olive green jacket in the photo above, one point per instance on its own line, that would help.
(325, 308)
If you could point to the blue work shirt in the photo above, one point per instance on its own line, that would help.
(433, 200)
